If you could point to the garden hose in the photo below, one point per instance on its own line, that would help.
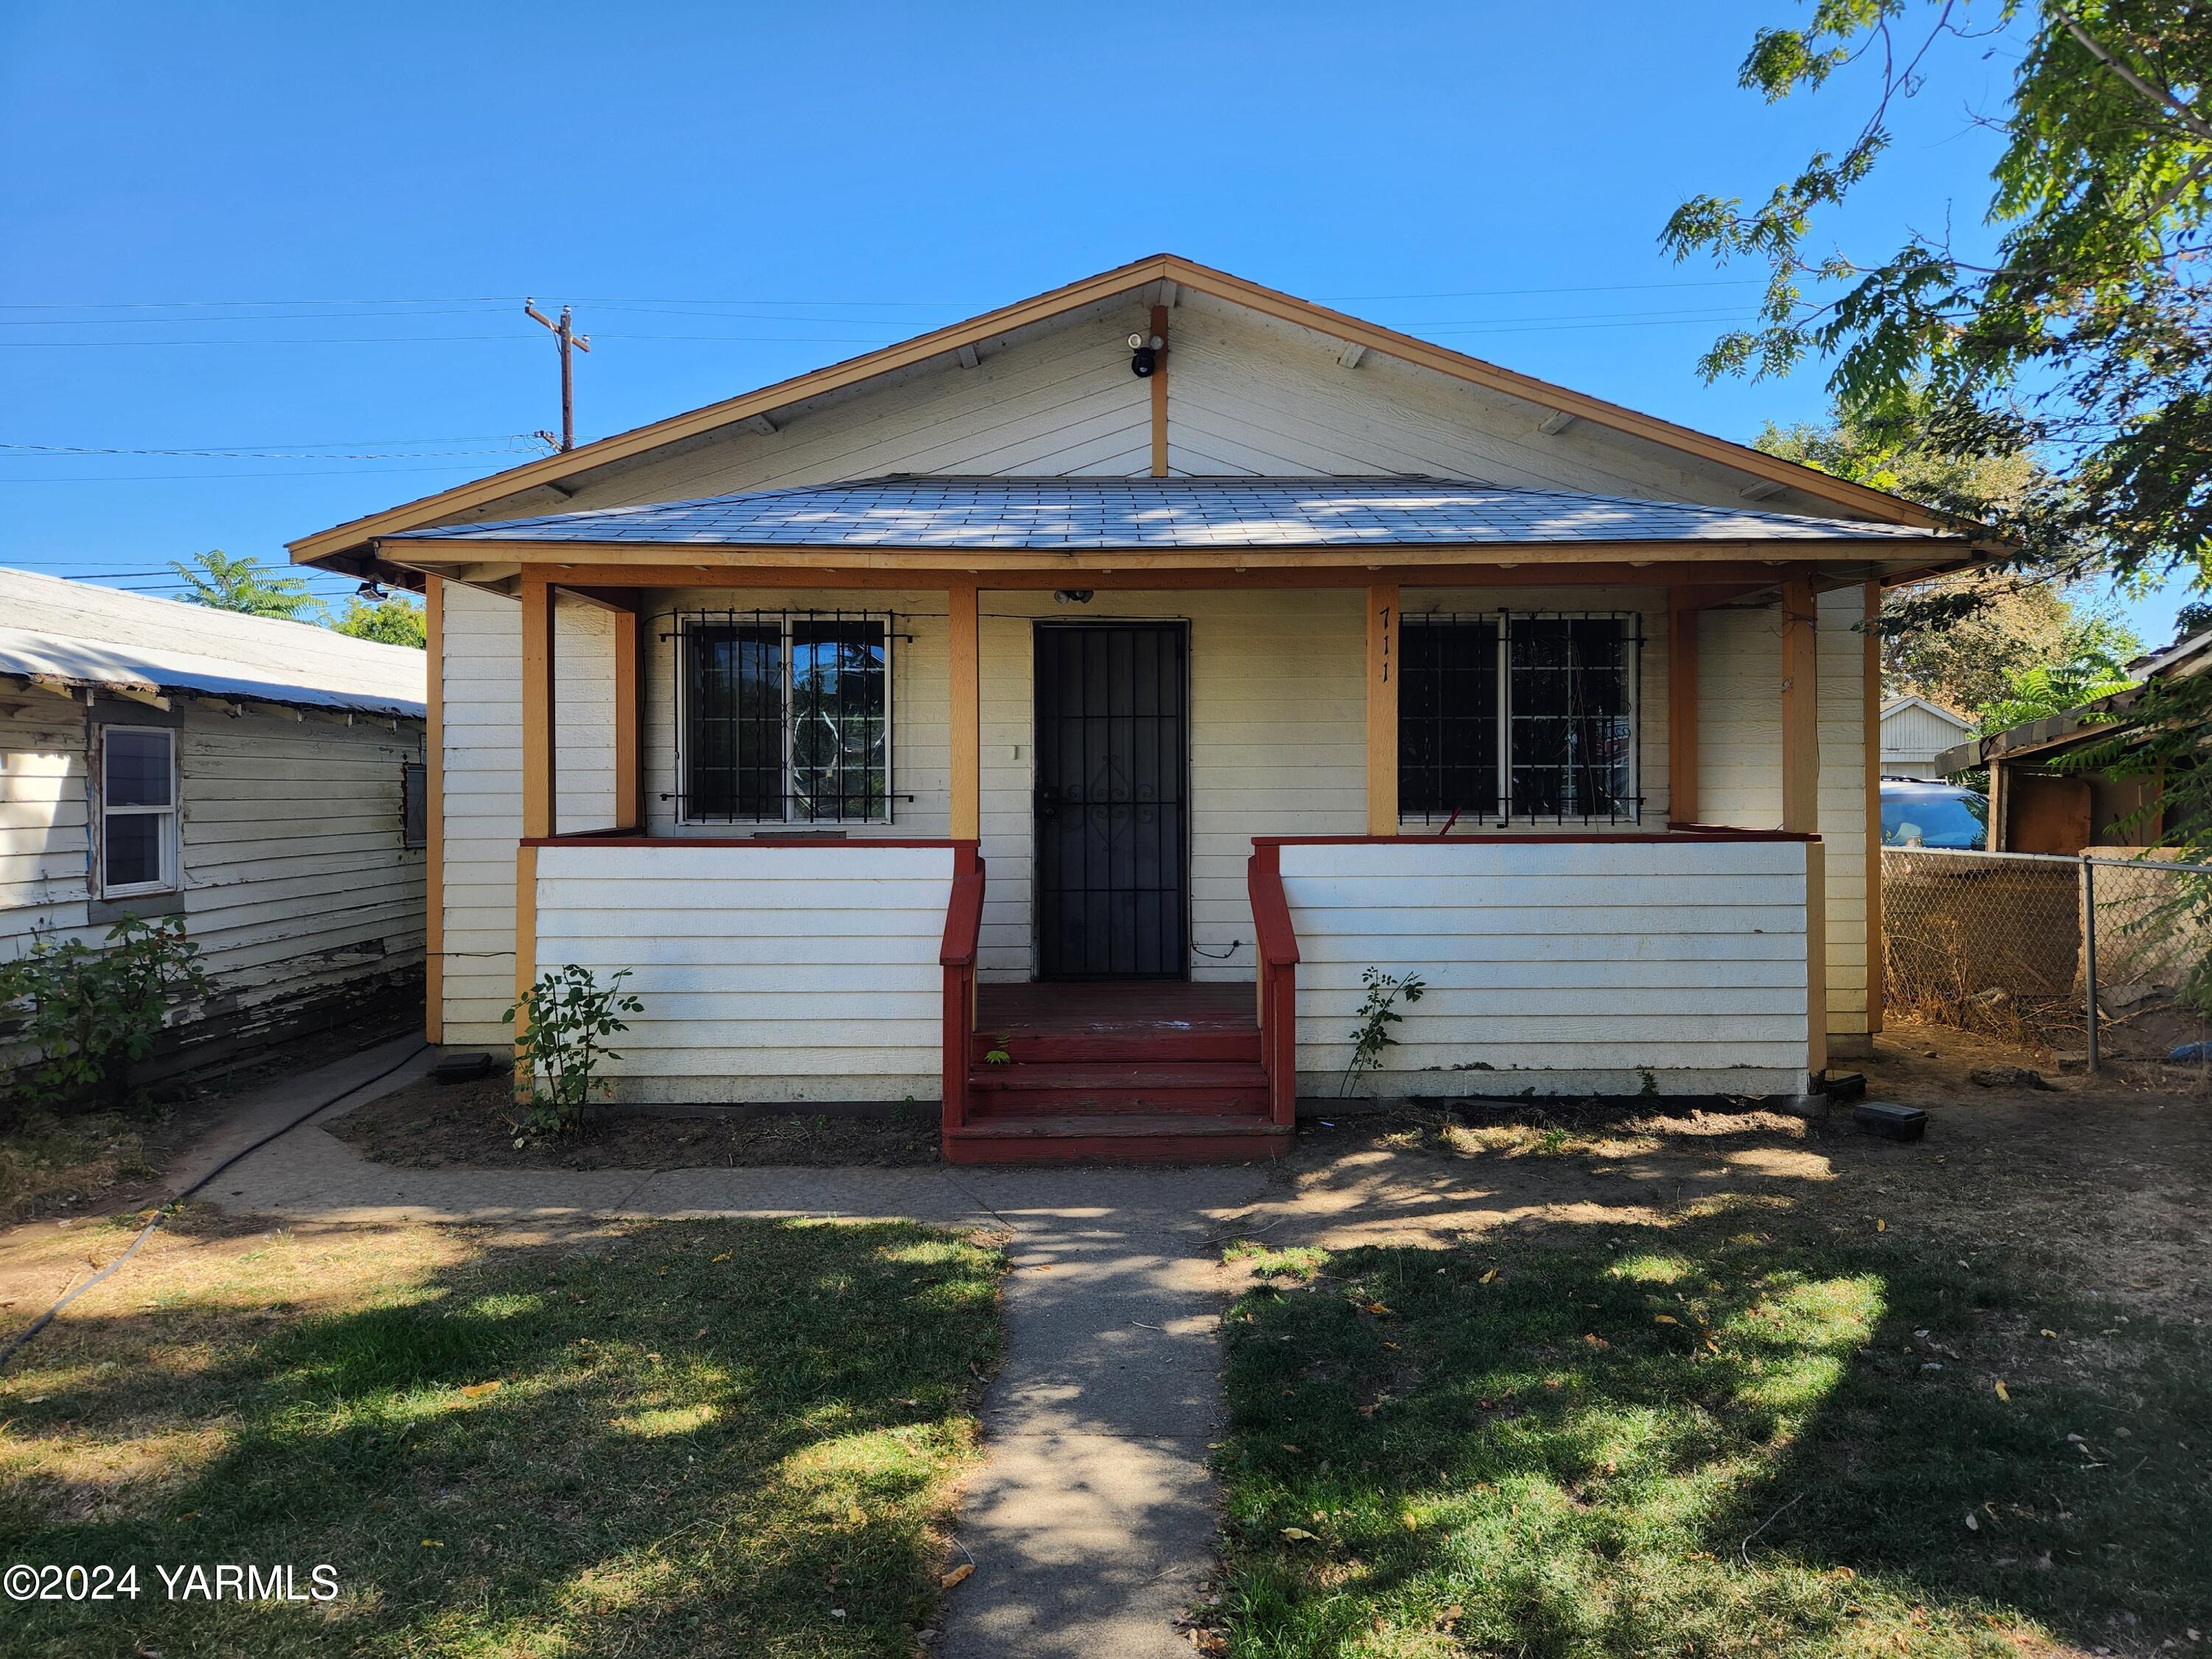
(47, 1317)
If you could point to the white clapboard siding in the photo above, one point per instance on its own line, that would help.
(481, 713)
(1062, 402)
(1569, 965)
(583, 716)
(1276, 747)
(42, 819)
(921, 715)
(295, 880)
(768, 974)
(1740, 762)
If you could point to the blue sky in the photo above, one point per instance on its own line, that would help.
(301, 235)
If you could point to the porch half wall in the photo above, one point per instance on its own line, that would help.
(1557, 966)
(768, 974)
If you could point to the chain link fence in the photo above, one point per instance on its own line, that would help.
(2090, 954)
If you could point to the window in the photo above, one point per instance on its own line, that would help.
(1507, 716)
(137, 810)
(786, 718)
(414, 803)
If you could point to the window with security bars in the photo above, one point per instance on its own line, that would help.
(1510, 715)
(784, 717)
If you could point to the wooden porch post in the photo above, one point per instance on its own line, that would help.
(433, 810)
(966, 738)
(1681, 706)
(1382, 709)
(537, 784)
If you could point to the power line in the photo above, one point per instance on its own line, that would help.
(34, 451)
(217, 478)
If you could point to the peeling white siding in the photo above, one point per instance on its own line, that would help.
(1570, 967)
(767, 973)
(43, 839)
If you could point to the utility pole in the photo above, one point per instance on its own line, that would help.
(565, 337)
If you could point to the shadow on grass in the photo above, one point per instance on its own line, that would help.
(734, 1436)
(1734, 1435)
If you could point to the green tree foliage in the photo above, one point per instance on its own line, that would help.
(395, 620)
(2084, 339)
(222, 582)
(1989, 633)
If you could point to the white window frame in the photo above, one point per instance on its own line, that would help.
(167, 843)
(790, 814)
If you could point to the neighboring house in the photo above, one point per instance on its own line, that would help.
(1914, 731)
(2036, 805)
(262, 780)
(1033, 687)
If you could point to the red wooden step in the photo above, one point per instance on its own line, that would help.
(1207, 1086)
(1175, 1045)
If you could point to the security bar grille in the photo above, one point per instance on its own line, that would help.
(1523, 716)
(783, 717)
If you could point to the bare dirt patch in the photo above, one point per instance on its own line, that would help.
(2099, 1180)
(429, 1126)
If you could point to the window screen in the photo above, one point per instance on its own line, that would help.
(786, 718)
(414, 803)
(1515, 716)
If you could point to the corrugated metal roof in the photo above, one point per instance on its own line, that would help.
(78, 633)
(1162, 513)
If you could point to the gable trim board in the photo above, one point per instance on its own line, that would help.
(349, 546)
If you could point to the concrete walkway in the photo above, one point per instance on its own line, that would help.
(1091, 1523)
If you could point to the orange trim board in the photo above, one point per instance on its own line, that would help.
(1091, 290)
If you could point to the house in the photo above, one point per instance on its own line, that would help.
(2038, 803)
(1104, 685)
(1914, 731)
(262, 780)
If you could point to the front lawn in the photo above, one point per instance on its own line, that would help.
(1726, 1436)
(671, 1438)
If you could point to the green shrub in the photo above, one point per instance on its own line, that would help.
(93, 1013)
(558, 1050)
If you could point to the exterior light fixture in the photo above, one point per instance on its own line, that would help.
(373, 591)
(1072, 595)
(1144, 354)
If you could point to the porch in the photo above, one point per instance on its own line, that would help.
(849, 826)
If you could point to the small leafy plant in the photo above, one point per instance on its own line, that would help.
(999, 1053)
(1377, 1014)
(92, 1013)
(561, 1046)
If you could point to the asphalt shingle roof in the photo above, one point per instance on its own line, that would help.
(1075, 513)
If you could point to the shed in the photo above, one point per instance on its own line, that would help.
(1914, 731)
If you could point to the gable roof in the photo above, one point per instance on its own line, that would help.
(78, 635)
(1093, 512)
(344, 544)
(1899, 705)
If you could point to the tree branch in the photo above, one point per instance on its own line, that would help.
(2180, 111)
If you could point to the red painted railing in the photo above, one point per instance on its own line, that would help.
(963, 920)
(1278, 944)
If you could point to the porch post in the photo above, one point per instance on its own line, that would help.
(966, 740)
(434, 812)
(537, 785)
(1801, 708)
(1681, 706)
(1382, 709)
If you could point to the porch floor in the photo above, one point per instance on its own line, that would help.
(1126, 1070)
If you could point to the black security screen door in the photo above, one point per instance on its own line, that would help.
(1112, 807)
